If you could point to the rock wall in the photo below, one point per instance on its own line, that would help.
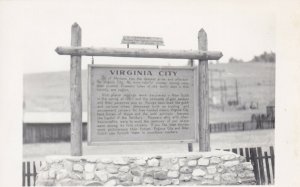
(199, 168)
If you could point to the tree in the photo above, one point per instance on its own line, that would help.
(233, 60)
(265, 57)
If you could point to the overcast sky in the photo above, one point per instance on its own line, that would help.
(239, 29)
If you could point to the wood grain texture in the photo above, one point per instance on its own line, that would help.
(204, 134)
(140, 53)
(190, 145)
(76, 95)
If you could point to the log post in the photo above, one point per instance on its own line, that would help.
(204, 134)
(190, 145)
(75, 94)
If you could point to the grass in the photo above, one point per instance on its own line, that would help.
(241, 139)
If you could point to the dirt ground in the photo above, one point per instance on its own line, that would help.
(226, 140)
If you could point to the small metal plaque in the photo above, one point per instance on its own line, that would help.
(130, 104)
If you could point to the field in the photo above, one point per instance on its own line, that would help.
(49, 92)
(242, 139)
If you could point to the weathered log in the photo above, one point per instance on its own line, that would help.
(141, 53)
(75, 95)
(204, 134)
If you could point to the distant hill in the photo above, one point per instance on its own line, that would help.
(49, 92)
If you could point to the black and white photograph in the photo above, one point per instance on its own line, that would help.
(149, 93)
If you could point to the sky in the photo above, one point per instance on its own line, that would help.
(239, 29)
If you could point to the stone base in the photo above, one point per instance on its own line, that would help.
(197, 168)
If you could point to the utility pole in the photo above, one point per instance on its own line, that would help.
(236, 92)
(225, 91)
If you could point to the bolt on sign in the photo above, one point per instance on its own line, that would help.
(129, 104)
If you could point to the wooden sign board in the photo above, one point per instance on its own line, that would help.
(129, 104)
(141, 40)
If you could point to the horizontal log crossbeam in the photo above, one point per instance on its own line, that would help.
(140, 53)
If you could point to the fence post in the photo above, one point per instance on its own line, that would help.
(268, 168)
(241, 152)
(247, 154)
(34, 173)
(23, 173)
(272, 160)
(261, 166)
(204, 134)
(28, 174)
(234, 150)
(253, 157)
(75, 94)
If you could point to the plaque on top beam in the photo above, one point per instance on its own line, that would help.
(142, 40)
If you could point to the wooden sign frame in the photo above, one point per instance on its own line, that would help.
(195, 111)
(76, 51)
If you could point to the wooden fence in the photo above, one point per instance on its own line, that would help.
(29, 174)
(263, 165)
(239, 126)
